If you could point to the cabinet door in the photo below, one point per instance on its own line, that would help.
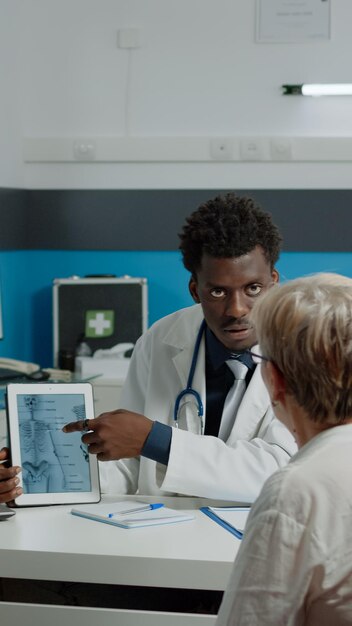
(106, 395)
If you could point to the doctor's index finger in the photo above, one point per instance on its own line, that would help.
(79, 426)
(4, 454)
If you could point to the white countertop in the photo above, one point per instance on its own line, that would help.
(51, 544)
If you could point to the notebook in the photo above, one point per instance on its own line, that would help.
(233, 518)
(132, 514)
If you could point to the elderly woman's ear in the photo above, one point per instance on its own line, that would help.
(275, 382)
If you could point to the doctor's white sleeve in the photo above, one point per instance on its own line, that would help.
(205, 466)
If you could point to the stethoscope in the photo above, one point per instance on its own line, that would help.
(189, 391)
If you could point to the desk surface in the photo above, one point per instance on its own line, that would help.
(49, 543)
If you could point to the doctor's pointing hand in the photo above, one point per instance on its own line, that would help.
(115, 435)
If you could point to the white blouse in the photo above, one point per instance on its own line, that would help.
(294, 565)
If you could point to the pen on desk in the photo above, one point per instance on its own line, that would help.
(139, 509)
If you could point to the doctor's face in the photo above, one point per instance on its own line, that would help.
(227, 289)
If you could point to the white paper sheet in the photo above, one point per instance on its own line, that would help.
(292, 21)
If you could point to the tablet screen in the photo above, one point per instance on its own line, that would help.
(53, 462)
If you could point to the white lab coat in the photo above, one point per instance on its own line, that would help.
(198, 465)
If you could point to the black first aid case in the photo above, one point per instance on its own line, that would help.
(97, 313)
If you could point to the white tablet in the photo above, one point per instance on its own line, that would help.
(56, 466)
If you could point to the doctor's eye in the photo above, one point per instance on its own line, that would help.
(217, 292)
(254, 290)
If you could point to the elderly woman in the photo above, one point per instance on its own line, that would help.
(294, 565)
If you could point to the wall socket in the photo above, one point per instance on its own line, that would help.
(281, 149)
(221, 149)
(252, 149)
(84, 150)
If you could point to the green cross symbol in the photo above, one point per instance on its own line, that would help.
(99, 323)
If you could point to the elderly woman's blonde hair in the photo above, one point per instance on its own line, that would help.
(305, 327)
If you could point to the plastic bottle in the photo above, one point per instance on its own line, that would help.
(82, 349)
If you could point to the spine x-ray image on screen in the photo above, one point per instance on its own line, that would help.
(51, 461)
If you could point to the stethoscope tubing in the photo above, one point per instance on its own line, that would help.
(189, 389)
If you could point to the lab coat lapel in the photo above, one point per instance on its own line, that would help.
(253, 407)
(183, 339)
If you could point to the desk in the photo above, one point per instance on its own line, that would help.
(50, 544)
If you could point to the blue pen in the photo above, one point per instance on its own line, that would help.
(139, 509)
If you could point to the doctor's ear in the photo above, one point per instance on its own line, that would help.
(193, 289)
(275, 276)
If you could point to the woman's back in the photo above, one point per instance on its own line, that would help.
(295, 565)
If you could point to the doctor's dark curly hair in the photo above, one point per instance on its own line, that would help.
(225, 227)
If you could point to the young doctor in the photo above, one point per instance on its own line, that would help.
(188, 426)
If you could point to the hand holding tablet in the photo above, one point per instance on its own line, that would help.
(9, 482)
(55, 469)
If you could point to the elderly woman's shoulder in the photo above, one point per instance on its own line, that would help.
(314, 482)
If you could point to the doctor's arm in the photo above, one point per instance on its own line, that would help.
(208, 467)
(198, 465)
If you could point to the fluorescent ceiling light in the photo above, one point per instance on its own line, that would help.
(333, 89)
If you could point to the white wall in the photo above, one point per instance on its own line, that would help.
(11, 163)
(198, 73)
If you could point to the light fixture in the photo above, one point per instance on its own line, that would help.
(334, 89)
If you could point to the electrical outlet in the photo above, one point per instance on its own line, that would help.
(221, 149)
(252, 149)
(84, 150)
(281, 149)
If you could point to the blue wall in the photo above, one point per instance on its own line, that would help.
(27, 277)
